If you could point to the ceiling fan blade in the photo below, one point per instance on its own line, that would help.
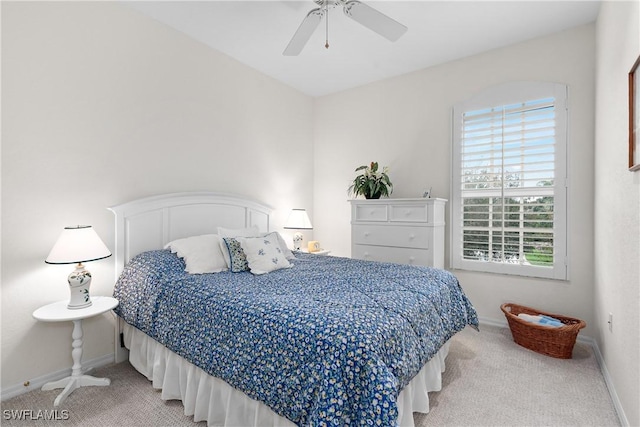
(304, 32)
(374, 20)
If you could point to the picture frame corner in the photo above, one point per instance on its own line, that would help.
(634, 117)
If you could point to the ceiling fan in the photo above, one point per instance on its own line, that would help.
(358, 11)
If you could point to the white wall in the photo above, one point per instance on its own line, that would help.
(405, 123)
(102, 105)
(617, 207)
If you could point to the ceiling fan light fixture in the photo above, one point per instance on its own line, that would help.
(363, 14)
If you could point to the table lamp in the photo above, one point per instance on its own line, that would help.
(76, 245)
(298, 220)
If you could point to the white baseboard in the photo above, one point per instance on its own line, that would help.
(598, 355)
(609, 382)
(493, 322)
(36, 383)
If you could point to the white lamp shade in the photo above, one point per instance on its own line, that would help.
(77, 244)
(299, 220)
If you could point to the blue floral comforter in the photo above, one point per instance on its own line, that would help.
(331, 341)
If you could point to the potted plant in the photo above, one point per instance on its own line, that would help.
(371, 183)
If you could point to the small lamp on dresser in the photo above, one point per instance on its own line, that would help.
(76, 245)
(298, 220)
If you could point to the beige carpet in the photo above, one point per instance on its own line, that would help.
(489, 381)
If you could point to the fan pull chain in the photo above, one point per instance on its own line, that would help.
(326, 12)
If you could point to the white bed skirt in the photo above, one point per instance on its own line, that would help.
(211, 399)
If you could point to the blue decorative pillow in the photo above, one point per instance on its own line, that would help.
(234, 232)
(237, 258)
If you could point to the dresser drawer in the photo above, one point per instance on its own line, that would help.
(370, 213)
(408, 213)
(398, 255)
(384, 235)
(405, 231)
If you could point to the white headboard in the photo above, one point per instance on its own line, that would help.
(152, 222)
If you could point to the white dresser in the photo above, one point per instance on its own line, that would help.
(405, 231)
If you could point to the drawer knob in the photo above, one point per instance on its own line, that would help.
(411, 259)
(366, 255)
(407, 212)
(412, 236)
(366, 234)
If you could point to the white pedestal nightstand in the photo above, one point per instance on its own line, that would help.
(58, 312)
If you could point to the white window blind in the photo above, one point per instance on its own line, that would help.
(509, 195)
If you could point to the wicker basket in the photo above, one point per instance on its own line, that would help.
(555, 342)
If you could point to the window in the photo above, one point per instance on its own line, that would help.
(509, 183)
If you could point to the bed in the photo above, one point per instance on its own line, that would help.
(319, 340)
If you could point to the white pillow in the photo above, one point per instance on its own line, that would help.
(201, 254)
(263, 253)
(283, 245)
(234, 232)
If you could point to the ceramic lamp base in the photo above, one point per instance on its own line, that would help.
(297, 241)
(79, 282)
